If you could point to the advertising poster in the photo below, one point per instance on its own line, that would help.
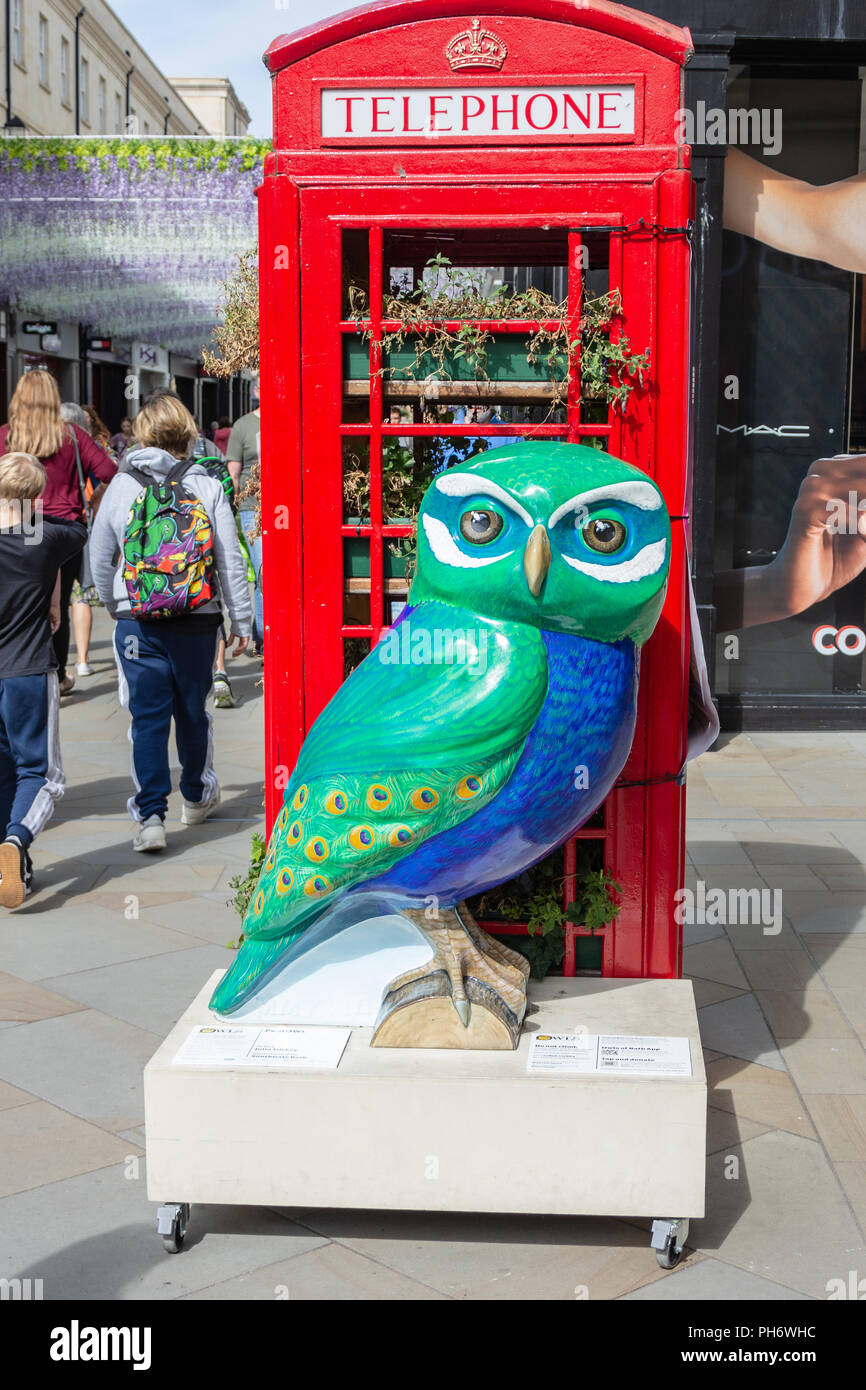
(791, 479)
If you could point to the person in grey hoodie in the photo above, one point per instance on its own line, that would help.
(165, 665)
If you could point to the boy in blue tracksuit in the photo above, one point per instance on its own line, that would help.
(32, 549)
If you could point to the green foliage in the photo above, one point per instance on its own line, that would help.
(244, 885)
(133, 151)
(608, 365)
(544, 953)
(536, 899)
(595, 903)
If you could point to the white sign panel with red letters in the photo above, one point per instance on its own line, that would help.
(471, 113)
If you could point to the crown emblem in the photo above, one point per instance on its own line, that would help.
(476, 48)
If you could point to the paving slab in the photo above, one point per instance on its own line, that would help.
(711, 1281)
(782, 1217)
(758, 1093)
(86, 1062)
(811, 1012)
(41, 1143)
(151, 993)
(826, 1066)
(22, 1002)
(500, 1257)
(81, 936)
(737, 1028)
(726, 1130)
(94, 1237)
(714, 960)
(328, 1273)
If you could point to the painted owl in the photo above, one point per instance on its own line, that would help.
(488, 724)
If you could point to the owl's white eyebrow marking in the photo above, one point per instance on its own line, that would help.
(648, 561)
(639, 494)
(468, 485)
(446, 550)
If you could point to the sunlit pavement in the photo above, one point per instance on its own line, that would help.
(96, 967)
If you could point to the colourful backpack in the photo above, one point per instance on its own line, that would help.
(168, 559)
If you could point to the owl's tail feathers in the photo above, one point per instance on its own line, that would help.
(255, 962)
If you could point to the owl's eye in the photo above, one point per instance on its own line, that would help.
(604, 534)
(480, 527)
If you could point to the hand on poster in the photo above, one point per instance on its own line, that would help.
(825, 549)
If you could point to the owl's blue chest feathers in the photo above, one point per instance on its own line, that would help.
(572, 756)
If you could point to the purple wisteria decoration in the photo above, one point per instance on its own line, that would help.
(132, 238)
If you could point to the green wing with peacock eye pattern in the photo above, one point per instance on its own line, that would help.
(337, 831)
(405, 750)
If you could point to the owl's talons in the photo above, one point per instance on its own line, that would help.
(472, 994)
(463, 1011)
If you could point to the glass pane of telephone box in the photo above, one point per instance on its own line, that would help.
(354, 651)
(355, 299)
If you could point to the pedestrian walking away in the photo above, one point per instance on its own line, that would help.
(170, 526)
(68, 455)
(242, 453)
(33, 548)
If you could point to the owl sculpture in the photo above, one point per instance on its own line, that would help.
(484, 729)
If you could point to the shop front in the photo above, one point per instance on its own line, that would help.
(49, 345)
(777, 126)
(110, 380)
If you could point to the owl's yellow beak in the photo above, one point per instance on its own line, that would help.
(536, 560)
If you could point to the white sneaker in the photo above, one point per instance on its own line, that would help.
(194, 812)
(222, 691)
(83, 669)
(150, 836)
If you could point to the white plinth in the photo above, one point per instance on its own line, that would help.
(442, 1130)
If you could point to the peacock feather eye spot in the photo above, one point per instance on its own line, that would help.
(316, 849)
(316, 886)
(604, 534)
(423, 799)
(361, 837)
(300, 798)
(259, 903)
(269, 862)
(469, 787)
(480, 525)
(400, 835)
(285, 881)
(336, 804)
(282, 819)
(294, 832)
(378, 797)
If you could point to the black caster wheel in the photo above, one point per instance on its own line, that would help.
(171, 1224)
(669, 1236)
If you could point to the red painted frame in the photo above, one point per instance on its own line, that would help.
(309, 195)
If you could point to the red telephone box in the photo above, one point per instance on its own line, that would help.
(539, 136)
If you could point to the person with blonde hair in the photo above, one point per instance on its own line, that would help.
(36, 427)
(170, 524)
(33, 548)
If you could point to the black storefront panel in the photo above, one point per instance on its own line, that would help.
(785, 358)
